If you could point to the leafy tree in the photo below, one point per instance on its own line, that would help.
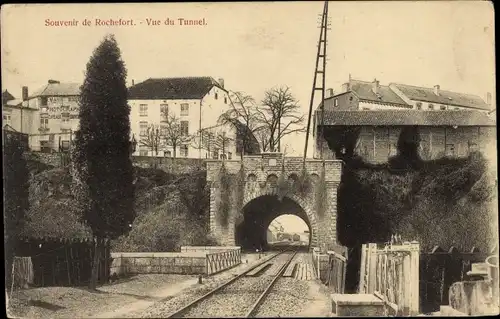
(16, 195)
(104, 174)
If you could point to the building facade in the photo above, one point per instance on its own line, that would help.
(194, 104)
(376, 136)
(17, 116)
(56, 116)
(367, 96)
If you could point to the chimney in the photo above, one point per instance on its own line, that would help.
(133, 82)
(436, 89)
(329, 92)
(375, 86)
(53, 82)
(346, 87)
(25, 93)
(488, 98)
(221, 82)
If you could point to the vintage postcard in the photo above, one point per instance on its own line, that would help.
(250, 159)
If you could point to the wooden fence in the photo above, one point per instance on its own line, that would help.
(391, 272)
(63, 262)
(222, 260)
(439, 269)
(336, 274)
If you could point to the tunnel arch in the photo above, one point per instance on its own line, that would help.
(307, 211)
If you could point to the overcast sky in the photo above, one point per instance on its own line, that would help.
(255, 46)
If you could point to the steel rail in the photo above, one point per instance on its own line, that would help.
(263, 296)
(190, 305)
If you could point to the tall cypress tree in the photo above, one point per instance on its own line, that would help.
(103, 168)
(16, 195)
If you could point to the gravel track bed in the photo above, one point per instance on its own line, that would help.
(277, 263)
(167, 306)
(288, 298)
(233, 301)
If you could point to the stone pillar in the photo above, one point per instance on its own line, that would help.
(329, 223)
(223, 234)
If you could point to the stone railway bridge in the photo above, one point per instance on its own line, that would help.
(259, 204)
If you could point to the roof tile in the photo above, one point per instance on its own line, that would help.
(406, 117)
(172, 88)
(444, 97)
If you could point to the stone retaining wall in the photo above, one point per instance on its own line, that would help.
(160, 263)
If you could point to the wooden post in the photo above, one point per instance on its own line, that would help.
(414, 278)
(67, 265)
(372, 267)
(363, 270)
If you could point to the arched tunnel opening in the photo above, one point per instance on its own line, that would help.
(257, 216)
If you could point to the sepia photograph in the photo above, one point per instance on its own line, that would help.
(250, 159)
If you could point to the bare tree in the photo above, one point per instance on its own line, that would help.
(153, 138)
(280, 115)
(262, 136)
(204, 140)
(173, 133)
(243, 117)
(223, 142)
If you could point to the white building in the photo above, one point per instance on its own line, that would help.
(56, 116)
(359, 95)
(14, 114)
(428, 99)
(197, 103)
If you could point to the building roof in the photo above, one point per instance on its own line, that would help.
(6, 96)
(173, 88)
(444, 97)
(363, 90)
(406, 117)
(54, 88)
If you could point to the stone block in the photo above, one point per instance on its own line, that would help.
(142, 261)
(357, 305)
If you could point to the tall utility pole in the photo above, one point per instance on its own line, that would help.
(320, 69)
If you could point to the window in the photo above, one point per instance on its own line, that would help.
(184, 109)
(431, 106)
(450, 150)
(442, 107)
(143, 128)
(167, 154)
(164, 110)
(335, 102)
(163, 129)
(225, 99)
(222, 156)
(229, 155)
(419, 105)
(184, 150)
(215, 154)
(6, 119)
(216, 96)
(44, 123)
(143, 152)
(43, 101)
(184, 128)
(473, 147)
(143, 110)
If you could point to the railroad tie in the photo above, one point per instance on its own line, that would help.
(289, 270)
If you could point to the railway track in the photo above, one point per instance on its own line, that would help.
(239, 297)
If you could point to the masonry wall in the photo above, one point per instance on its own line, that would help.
(177, 165)
(378, 144)
(259, 168)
